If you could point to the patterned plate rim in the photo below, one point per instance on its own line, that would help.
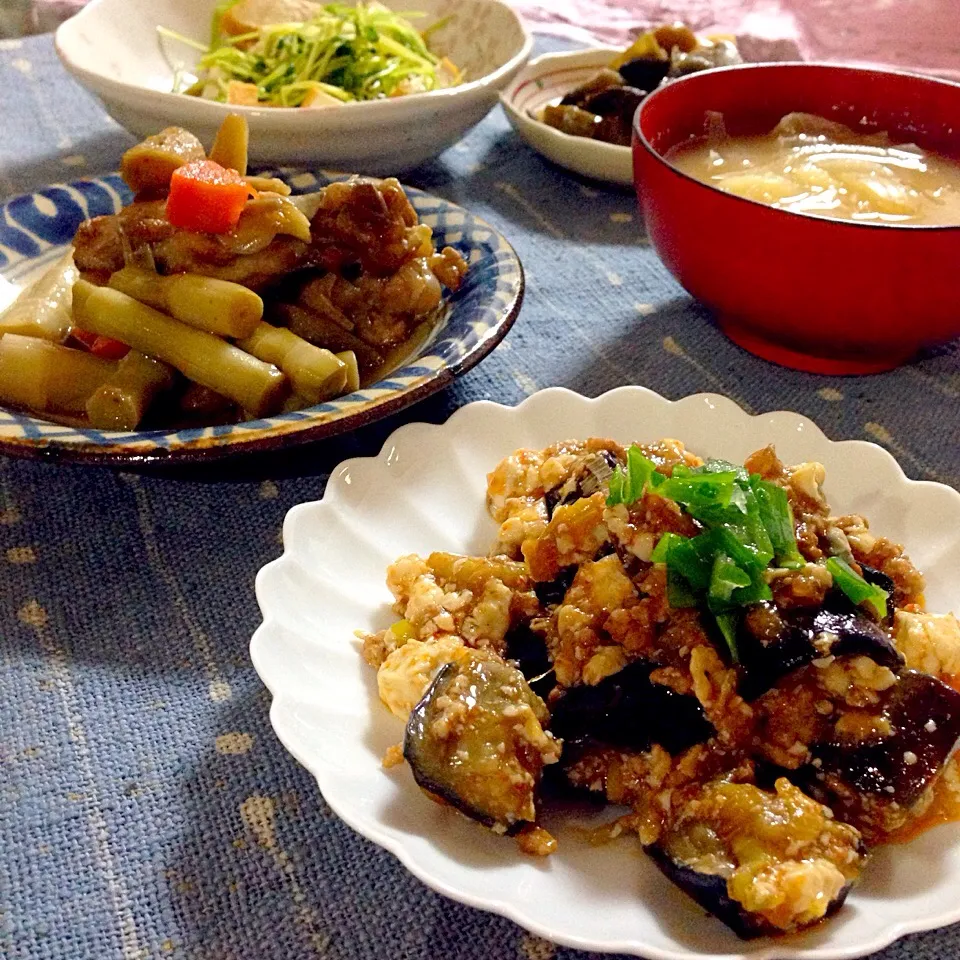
(422, 375)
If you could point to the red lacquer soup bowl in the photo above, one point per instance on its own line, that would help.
(824, 295)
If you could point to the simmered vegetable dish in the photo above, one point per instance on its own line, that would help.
(703, 643)
(216, 296)
(603, 107)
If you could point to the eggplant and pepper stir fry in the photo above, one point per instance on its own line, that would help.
(602, 108)
(701, 642)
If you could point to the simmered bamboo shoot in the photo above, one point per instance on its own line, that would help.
(44, 308)
(217, 306)
(148, 167)
(316, 374)
(230, 147)
(353, 370)
(257, 387)
(47, 377)
(123, 400)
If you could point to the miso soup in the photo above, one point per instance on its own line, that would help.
(811, 165)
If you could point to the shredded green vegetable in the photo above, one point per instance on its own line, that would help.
(344, 54)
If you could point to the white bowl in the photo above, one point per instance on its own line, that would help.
(112, 48)
(426, 491)
(545, 80)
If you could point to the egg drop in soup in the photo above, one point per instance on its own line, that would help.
(808, 164)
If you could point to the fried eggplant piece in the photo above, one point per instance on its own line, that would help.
(477, 741)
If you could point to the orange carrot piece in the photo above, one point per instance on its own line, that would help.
(86, 340)
(109, 349)
(104, 347)
(206, 198)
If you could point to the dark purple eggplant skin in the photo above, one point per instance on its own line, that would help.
(628, 710)
(879, 579)
(529, 652)
(603, 80)
(616, 108)
(417, 725)
(763, 664)
(645, 73)
(925, 716)
(581, 484)
(451, 779)
(709, 890)
(615, 101)
(551, 592)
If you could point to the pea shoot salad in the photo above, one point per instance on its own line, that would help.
(340, 55)
(747, 528)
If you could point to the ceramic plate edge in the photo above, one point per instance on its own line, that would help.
(128, 448)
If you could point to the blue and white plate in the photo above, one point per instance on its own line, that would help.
(36, 228)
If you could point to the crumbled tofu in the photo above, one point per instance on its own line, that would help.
(929, 641)
(604, 663)
(792, 893)
(807, 479)
(536, 842)
(393, 756)
(405, 675)
(858, 680)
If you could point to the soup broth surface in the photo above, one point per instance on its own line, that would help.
(811, 165)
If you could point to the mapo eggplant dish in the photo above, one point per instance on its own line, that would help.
(217, 296)
(756, 679)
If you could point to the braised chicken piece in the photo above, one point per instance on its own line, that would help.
(352, 266)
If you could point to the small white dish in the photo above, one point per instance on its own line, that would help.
(426, 491)
(112, 48)
(545, 80)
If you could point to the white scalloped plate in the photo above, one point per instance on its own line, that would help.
(425, 491)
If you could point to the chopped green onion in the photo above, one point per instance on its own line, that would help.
(713, 465)
(857, 589)
(748, 525)
(616, 487)
(679, 592)
(627, 485)
(725, 578)
(727, 622)
(728, 540)
(758, 592)
(692, 559)
(700, 493)
(777, 518)
(662, 549)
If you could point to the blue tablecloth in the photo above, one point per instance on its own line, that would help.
(146, 809)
